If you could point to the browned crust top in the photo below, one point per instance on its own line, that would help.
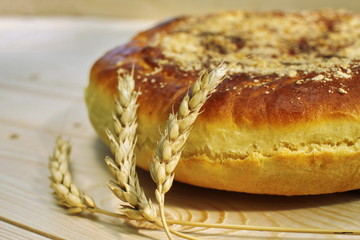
(285, 68)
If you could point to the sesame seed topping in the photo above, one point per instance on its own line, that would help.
(342, 91)
(292, 73)
(264, 43)
(300, 81)
(318, 77)
(342, 74)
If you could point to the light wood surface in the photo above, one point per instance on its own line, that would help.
(158, 9)
(44, 64)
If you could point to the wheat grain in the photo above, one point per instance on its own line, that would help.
(65, 190)
(122, 143)
(69, 196)
(123, 166)
(177, 129)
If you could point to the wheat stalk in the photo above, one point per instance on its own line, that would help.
(177, 129)
(65, 190)
(127, 187)
(267, 229)
(123, 166)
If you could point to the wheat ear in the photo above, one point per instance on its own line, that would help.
(65, 190)
(177, 129)
(123, 167)
(122, 143)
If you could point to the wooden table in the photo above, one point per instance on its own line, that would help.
(44, 65)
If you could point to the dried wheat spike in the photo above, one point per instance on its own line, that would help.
(65, 190)
(177, 129)
(122, 144)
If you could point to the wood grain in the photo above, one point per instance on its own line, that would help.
(10, 231)
(159, 8)
(41, 96)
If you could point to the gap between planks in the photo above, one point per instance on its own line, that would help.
(30, 229)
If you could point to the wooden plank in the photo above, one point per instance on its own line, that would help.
(58, 52)
(11, 231)
(29, 111)
(160, 8)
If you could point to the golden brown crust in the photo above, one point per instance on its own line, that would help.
(292, 98)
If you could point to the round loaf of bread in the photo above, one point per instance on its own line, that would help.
(286, 119)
